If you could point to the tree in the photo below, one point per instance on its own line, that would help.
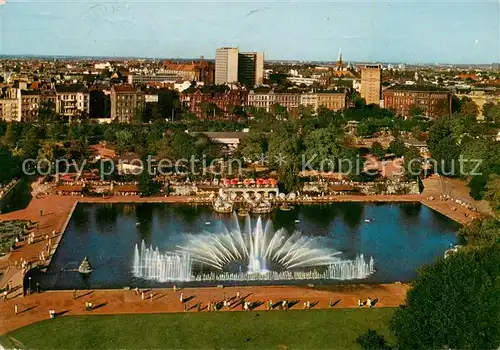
(477, 185)
(481, 232)
(453, 304)
(147, 186)
(140, 115)
(279, 112)
(371, 340)
(378, 150)
(47, 111)
(13, 134)
(279, 80)
(493, 193)
(123, 141)
(412, 162)
(442, 109)
(289, 173)
(77, 150)
(30, 143)
(444, 147)
(285, 148)
(48, 152)
(209, 109)
(253, 146)
(324, 146)
(397, 147)
(416, 111)
(491, 112)
(7, 168)
(55, 130)
(183, 146)
(468, 107)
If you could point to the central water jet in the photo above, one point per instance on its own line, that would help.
(257, 247)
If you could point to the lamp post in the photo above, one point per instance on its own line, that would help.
(29, 285)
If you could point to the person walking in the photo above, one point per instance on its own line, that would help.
(15, 309)
(151, 296)
(174, 288)
(75, 293)
(142, 295)
(41, 212)
(182, 297)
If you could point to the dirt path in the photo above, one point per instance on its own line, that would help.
(36, 307)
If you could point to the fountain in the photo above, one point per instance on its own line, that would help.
(264, 253)
(150, 264)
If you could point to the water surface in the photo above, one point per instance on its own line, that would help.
(399, 236)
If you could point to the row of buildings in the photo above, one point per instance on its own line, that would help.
(120, 102)
(22, 104)
(265, 100)
(231, 67)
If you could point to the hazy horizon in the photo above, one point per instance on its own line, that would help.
(424, 32)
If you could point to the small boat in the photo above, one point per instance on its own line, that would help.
(85, 267)
(367, 221)
(297, 221)
(137, 224)
(207, 222)
(285, 207)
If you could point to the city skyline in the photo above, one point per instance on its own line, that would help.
(371, 32)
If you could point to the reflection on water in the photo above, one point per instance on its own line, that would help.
(399, 237)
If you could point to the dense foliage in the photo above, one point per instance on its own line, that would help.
(453, 304)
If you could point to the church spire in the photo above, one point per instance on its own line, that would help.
(340, 63)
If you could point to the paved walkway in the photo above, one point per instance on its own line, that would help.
(36, 307)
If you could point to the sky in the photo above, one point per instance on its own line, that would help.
(373, 31)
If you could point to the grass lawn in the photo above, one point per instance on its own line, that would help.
(314, 329)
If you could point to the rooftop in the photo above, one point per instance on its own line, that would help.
(123, 88)
(423, 88)
(71, 88)
(223, 134)
(30, 92)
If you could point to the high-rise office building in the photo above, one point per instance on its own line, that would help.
(226, 65)
(370, 84)
(251, 68)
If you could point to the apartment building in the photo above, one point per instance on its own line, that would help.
(135, 79)
(226, 65)
(196, 99)
(72, 100)
(293, 100)
(433, 100)
(125, 100)
(335, 100)
(9, 110)
(251, 68)
(370, 83)
(29, 103)
(265, 100)
(9, 104)
(201, 71)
